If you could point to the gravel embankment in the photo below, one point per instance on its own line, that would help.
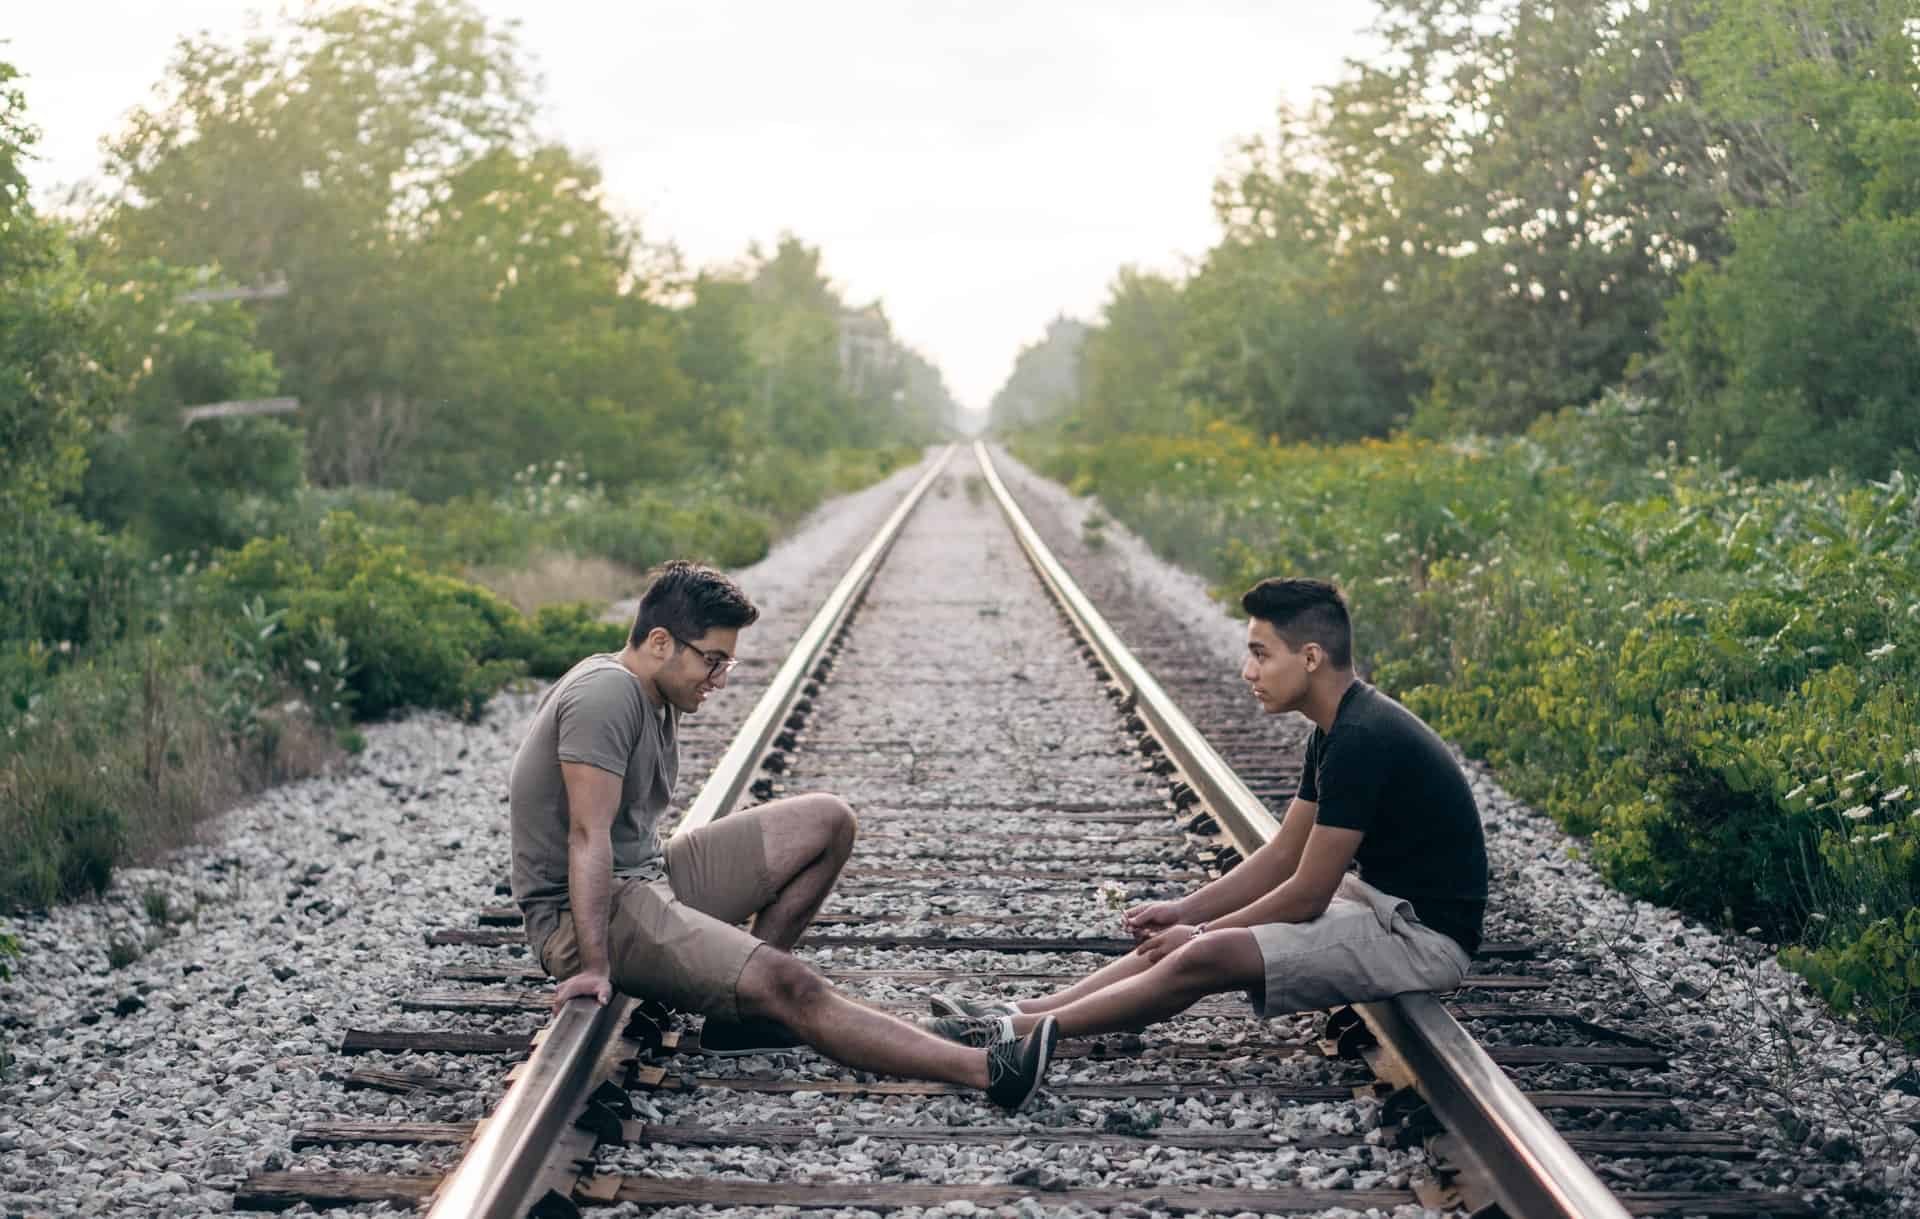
(1833, 1108)
(959, 697)
(151, 1087)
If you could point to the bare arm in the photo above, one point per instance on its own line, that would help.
(593, 796)
(1307, 893)
(1258, 874)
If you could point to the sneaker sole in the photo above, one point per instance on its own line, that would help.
(1047, 1042)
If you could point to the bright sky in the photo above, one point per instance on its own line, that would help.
(977, 166)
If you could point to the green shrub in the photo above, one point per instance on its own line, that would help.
(412, 638)
(559, 635)
(1707, 675)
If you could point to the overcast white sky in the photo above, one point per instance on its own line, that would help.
(978, 167)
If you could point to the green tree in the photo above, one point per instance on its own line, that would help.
(320, 154)
(56, 570)
(175, 487)
(1794, 352)
(1130, 365)
(1045, 381)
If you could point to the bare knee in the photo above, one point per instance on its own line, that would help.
(775, 985)
(842, 827)
(1204, 964)
(832, 823)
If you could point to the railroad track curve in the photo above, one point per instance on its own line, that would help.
(1017, 772)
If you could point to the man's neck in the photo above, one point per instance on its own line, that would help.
(1323, 702)
(634, 662)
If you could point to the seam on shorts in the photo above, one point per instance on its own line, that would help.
(738, 1014)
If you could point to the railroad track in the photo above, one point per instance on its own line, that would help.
(1014, 778)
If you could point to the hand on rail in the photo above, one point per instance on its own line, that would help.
(581, 985)
(1150, 919)
(1158, 946)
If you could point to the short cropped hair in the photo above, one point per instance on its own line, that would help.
(1303, 611)
(688, 600)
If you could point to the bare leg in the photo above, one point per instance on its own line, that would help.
(1228, 959)
(1101, 978)
(779, 987)
(808, 840)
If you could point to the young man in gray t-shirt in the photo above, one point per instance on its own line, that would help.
(607, 907)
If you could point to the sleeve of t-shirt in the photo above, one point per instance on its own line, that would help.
(597, 721)
(1310, 770)
(1352, 777)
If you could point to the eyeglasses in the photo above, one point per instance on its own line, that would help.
(718, 663)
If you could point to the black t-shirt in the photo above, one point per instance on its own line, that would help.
(1383, 772)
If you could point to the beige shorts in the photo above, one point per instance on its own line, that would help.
(677, 940)
(1367, 946)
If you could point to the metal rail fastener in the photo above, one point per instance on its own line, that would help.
(1516, 1152)
(508, 1157)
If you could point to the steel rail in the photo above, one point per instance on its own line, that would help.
(1520, 1157)
(508, 1157)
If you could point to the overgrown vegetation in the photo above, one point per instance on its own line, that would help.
(493, 372)
(1710, 675)
(1517, 205)
(1576, 339)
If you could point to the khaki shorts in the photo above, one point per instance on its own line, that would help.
(1367, 946)
(677, 940)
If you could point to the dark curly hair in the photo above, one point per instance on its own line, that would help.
(1303, 611)
(688, 600)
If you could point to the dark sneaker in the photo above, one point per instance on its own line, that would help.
(953, 1005)
(1015, 1068)
(976, 1031)
(733, 1038)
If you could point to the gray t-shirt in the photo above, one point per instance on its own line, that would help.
(599, 714)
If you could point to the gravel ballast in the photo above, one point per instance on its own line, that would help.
(1832, 1107)
(153, 1087)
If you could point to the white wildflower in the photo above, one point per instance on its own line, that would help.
(1881, 837)
(1855, 777)
(1896, 794)
(1912, 758)
(1796, 793)
(1882, 652)
(1858, 812)
(1817, 917)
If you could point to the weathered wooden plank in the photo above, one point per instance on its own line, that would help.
(483, 1001)
(326, 1134)
(1750, 1203)
(279, 1191)
(893, 1195)
(658, 1080)
(1716, 1144)
(1624, 1056)
(1610, 1101)
(404, 1082)
(484, 937)
(432, 1041)
(793, 1136)
(1506, 982)
(223, 410)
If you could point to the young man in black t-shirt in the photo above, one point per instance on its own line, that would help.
(1292, 925)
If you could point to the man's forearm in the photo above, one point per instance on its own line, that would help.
(589, 894)
(1259, 874)
(1291, 902)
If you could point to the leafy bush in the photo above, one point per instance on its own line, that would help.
(559, 635)
(1708, 675)
(413, 638)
